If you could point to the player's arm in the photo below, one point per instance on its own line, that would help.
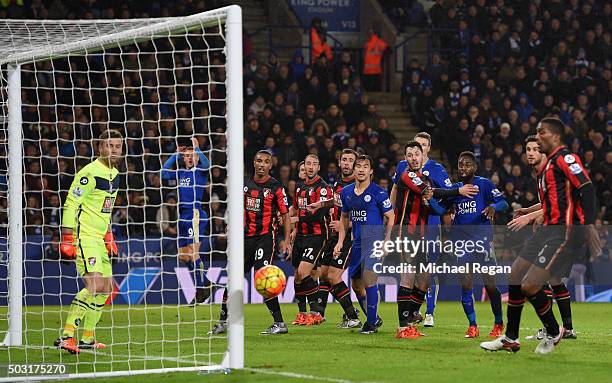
(527, 210)
(497, 202)
(313, 207)
(437, 208)
(166, 171)
(401, 168)
(81, 187)
(524, 220)
(384, 205)
(393, 194)
(572, 167)
(204, 163)
(325, 195)
(342, 228)
(465, 190)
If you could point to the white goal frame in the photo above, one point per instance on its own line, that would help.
(234, 356)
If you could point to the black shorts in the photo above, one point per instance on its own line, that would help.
(308, 249)
(554, 248)
(258, 251)
(328, 258)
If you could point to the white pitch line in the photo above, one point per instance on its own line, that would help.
(300, 376)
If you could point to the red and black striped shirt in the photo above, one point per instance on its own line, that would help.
(410, 212)
(559, 180)
(338, 185)
(305, 194)
(262, 201)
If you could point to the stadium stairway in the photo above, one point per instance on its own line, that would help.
(388, 105)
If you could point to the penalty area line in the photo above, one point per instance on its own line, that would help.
(300, 376)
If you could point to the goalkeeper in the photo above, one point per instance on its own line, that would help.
(191, 177)
(87, 236)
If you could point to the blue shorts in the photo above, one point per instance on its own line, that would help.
(361, 261)
(186, 231)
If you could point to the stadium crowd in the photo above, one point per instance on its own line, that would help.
(508, 65)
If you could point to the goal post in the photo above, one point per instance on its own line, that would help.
(199, 96)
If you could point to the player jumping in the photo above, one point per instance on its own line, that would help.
(472, 222)
(366, 205)
(191, 176)
(568, 202)
(87, 236)
(264, 197)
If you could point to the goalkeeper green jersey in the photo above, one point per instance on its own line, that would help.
(90, 200)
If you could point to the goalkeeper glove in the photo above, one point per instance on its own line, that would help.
(67, 248)
(111, 245)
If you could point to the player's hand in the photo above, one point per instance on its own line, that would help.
(468, 190)
(427, 194)
(294, 219)
(313, 207)
(338, 249)
(181, 148)
(195, 143)
(489, 212)
(518, 223)
(335, 225)
(67, 247)
(593, 241)
(520, 212)
(111, 245)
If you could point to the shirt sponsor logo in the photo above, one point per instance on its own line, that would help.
(185, 181)
(468, 207)
(253, 204)
(359, 215)
(107, 206)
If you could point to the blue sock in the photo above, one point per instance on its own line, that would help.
(431, 296)
(496, 305)
(200, 274)
(362, 303)
(372, 300)
(467, 300)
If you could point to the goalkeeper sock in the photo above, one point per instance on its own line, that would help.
(403, 305)
(92, 317)
(467, 301)
(200, 274)
(324, 287)
(78, 309)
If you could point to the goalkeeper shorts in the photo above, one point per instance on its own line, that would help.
(92, 257)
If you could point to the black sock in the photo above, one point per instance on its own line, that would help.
(496, 305)
(299, 297)
(324, 287)
(223, 315)
(275, 310)
(341, 292)
(403, 305)
(563, 298)
(516, 301)
(416, 300)
(310, 288)
(547, 290)
(543, 307)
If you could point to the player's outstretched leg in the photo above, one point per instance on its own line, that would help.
(509, 341)
(278, 326)
(467, 301)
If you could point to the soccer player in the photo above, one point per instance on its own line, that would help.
(414, 201)
(439, 179)
(472, 222)
(264, 198)
(333, 267)
(191, 177)
(525, 216)
(87, 236)
(311, 237)
(366, 205)
(568, 202)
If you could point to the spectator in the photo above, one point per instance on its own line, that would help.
(374, 50)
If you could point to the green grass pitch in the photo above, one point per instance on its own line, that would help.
(325, 353)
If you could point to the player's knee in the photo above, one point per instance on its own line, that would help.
(528, 289)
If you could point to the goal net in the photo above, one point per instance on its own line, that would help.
(164, 84)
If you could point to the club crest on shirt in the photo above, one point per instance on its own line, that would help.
(367, 198)
(266, 193)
